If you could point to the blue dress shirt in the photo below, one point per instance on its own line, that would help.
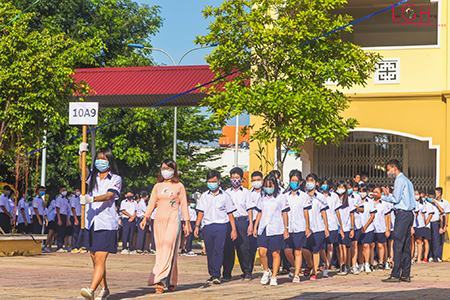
(403, 197)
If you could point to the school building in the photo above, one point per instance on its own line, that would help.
(404, 111)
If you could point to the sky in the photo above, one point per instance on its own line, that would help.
(182, 22)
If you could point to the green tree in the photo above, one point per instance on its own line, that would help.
(115, 22)
(280, 47)
(36, 68)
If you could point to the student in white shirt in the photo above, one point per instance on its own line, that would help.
(244, 225)
(256, 194)
(346, 217)
(192, 218)
(75, 215)
(50, 215)
(355, 200)
(140, 212)
(367, 231)
(382, 223)
(215, 214)
(316, 226)
(444, 220)
(128, 210)
(62, 218)
(38, 210)
(104, 187)
(333, 202)
(298, 201)
(421, 229)
(6, 217)
(23, 216)
(271, 227)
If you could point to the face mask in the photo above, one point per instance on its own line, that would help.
(257, 184)
(391, 175)
(167, 174)
(417, 197)
(309, 186)
(64, 193)
(78, 194)
(42, 193)
(102, 165)
(269, 190)
(363, 194)
(340, 191)
(294, 185)
(192, 205)
(324, 187)
(350, 191)
(213, 186)
(236, 182)
(6, 193)
(130, 197)
(428, 199)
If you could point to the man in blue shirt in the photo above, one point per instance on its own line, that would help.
(404, 205)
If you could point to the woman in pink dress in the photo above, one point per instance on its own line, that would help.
(169, 196)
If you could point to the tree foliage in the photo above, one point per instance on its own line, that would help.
(282, 48)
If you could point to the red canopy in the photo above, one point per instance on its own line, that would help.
(145, 86)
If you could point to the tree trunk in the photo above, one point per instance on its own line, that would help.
(280, 161)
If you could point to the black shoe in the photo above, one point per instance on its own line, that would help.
(247, 277)
(210, 280)
(226, 279)
(216, 281)
(391, 279)
(405, 279)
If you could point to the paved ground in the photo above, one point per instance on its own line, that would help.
(60, 276)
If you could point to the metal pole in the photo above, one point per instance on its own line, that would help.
(44, 160)
(236, 142)
(175, 119)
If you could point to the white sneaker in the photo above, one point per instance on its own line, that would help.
(125, 251)
(296, 279)
(325, 273)
(61, 250)
(355, 270)
(133, 252)
(103, 295)
(290, 275)
(191, 253)
(431, 259)
(439, 260)
(387, 266)
(266, 277)
(273, 281)
(87, 293)
(367, 268)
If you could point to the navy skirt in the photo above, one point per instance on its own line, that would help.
(102, 241)
(357, 235)
(422, 232)
(316, 242)
(366, 238)
(333, 238)
(272, 243)
(296, 240)
(346, 241)
(380, 237)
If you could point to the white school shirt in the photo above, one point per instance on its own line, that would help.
(242, 201)
(103, 215)
(436, 215)
(215, 208)
(445, 206)
(318, 203)
(75, 203)
(51, 211)
(23, 205)
(63, 204)
(272, 209)
(130, 206)
(383, 209)
(141, 208)
(356, 200)
(39, 204)
(422, 211)
(255, 196)
(192, 214)
(345, 213)
(297, 202)
(333, 203)
(12, 206)
(4, 201)
(369, 208)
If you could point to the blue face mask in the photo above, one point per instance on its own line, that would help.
(269, 190)
(294, 185)
(42, 193)
(324, 187)
(428, 199)
(213, 186)
(350, 191)
(102, 165)
(310, 186)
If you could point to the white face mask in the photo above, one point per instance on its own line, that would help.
(340, 191)
(257, 184)
(167, 174)
(64, 193)
(78, 194)
(363, 194)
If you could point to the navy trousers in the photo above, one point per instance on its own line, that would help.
(215, 235)
(61, 231)
(5, 223)
(190, 239)
(152, 236)
(128, 233)
(242, 247)
(402, 243)
(76, 232)
(37, 228)
(435, 240)
(140, 240)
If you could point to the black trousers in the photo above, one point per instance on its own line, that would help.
(37, 228)
(76, 231)
(5, 223)
(241, 245)
(402, 243)
(61, 231)
(22, 228)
